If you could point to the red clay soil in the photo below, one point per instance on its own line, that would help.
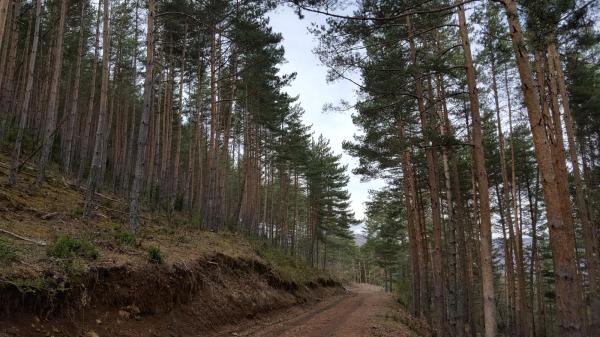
(363, 311)
(184, 300)
(366, 311)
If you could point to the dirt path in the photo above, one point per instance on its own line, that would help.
(366, 311)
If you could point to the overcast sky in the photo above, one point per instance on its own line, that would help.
(314, 92)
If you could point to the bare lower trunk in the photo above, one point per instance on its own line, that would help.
(75, 96)
(439, 303)
(414, 227)
(568, 297)
(590, 238)
(487, 277)
(143, 129)
(26, 99)
(49, 130)
(89, 117)
(99, 147)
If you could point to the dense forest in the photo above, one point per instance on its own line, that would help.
(177, 106)
(481, 117)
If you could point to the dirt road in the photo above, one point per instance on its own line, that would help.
(366, 311)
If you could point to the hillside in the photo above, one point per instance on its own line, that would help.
(60, 275)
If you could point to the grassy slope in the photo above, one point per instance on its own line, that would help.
(52, 215)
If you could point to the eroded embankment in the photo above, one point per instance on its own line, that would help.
(183, 299)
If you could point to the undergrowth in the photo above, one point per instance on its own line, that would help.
(28, 285)
(287, 267)
(7, 252)
(155, 255)
(67, 247)
(125, 237)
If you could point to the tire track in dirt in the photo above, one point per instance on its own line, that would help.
(361, 314)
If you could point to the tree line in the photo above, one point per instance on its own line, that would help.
(480, 117)
(177, 106)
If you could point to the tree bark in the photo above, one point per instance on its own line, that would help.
(8, 83)
(487, 277)
(52, 110)
(27, 98)
(3, 15)
(178, 121)
(145, 118)
(101, 132)
(414, 228)
(590, 237)
(439, 305)
(568, 298)
(89, 119)
(75, 95)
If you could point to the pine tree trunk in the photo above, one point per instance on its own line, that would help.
(590, 236)
(89, 117)
(558, 153)
(541, 325)
(522, 312)
(101, 127)
(211, 218)
(487, 277)
(7, 83)
(414, 229)
(3, 15)
(439, 303)
(145, 118)
(67, 155)
(27, 98)
(51, 114)
(178, 121)
(129, 155)
(568, 297)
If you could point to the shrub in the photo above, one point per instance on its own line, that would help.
(155, 255)
(7, 252)
(125, 237)
(66, 247)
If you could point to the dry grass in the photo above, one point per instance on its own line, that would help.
(54, 211)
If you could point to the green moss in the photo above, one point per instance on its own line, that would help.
(155, 255)
(67, 247)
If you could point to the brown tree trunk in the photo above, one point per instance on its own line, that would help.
(439, 304)
(522, 312)
(50, 127)
(145, 118)
(75, 95)
(211, 218)
(568, 297)
(414, 228)
(101, 127)
(178, 121)
(487, 277)
(89, 117)
(26, 99)
(129, 155)
(590, 237)
(7, 83)
(540, 323)
(3, 15)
